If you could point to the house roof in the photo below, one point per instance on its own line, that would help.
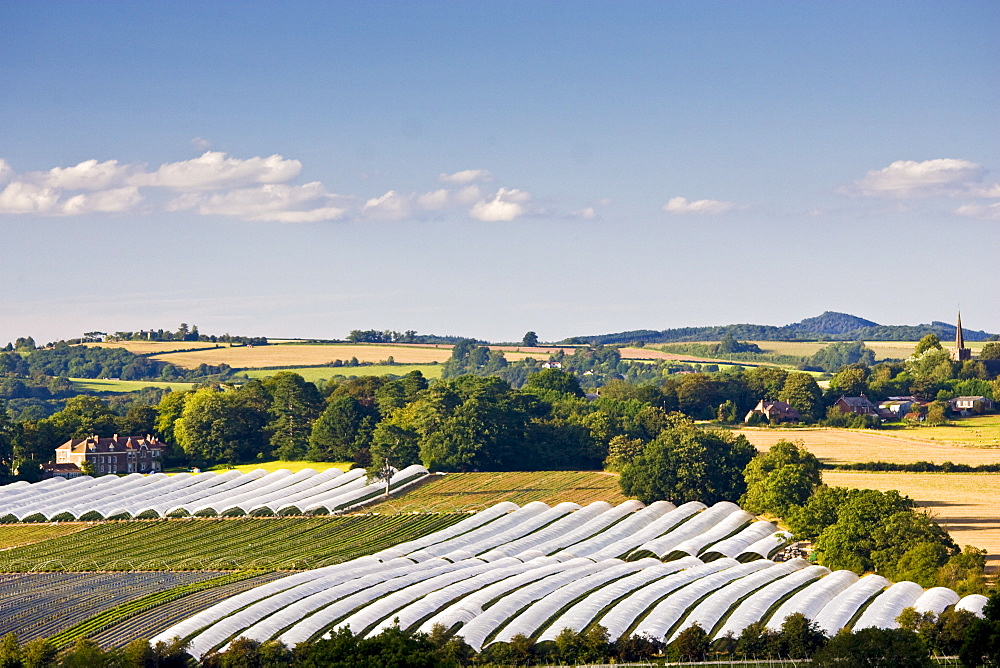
(856, 401)
(100, 443)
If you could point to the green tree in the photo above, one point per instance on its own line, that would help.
(802, 393)
(851, 381)
(981, 646)
(85, 653)
(9, 432)
(799, 638)
(781, 479)
(689, 464)
(874, 647)
(929, 342)
(344, 428)
(990, 351)
(38, 653)
(139, 420)
(295, 405)
(224, 425)
(554, 380)
(530, 340)
(692, 644)
(170, 408)
(10, 652)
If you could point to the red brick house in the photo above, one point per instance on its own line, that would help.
(774, 411)
(118, 454)
(857, 405)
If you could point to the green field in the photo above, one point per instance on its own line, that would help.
(293, 466)
(103, 385)
(222, 544)
(462, 492)
(315, 373)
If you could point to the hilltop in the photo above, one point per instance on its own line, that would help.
(829, 326)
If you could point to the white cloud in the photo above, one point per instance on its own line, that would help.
(390, 206)
(908, 178)
(215, 170)
(466, 176)
(117, 200)
(433, 201)
(507, 204)
(201, 144)
(681, 205)
(21, 197)
(469, 194)
(984, 211)
(87, 175)
(282, 203)
(6, 172)
(586, 214)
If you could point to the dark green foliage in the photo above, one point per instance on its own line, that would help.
(692, 644)
(876, 648)
(554, 380)
(530, 340)
(836, 355)
(981, 645)
(225, 424)
(295, 405)
(689, 464)
(344, 428)
(390, 649)
(781, 479)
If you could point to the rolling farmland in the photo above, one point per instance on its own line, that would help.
(966, 504)
(845, 446)
(305, 354)
(316, 373)
(459, 492)
(220, 544)
(104, 385)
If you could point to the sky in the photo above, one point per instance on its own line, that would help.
(303, 169)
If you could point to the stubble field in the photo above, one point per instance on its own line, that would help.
(845, 446)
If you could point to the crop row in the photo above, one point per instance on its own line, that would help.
(222, 544)
(119, 613)
(462, 492)
(40, 605)
(15, 535)
(152, 621)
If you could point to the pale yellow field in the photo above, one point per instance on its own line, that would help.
(966, 504)
(143, 347)
(980, 431)
(844, 446)
(246, 357)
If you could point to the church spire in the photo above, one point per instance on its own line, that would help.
(960, 353)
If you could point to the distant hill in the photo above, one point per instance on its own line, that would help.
(828, 326)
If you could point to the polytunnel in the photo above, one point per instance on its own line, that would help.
(635, 529)
(881, 613)
(836, 614)
(936, 600)
(710, 611)
(813, 598)
(754, 608)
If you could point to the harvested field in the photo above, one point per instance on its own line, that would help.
(846, 446)
(980, 431)
(651, 354)
(966, 504)
(457, 492)
(293, 354)
(316, 373)
(146, 347)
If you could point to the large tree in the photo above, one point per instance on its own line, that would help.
(689, 464)
(802, 393)
(295, 405)
(344, 428)
(781, 479)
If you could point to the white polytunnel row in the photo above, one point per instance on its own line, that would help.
(137, 496)
(536, 570)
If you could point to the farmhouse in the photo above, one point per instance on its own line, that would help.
(118, 454)
(857, 405)
(774, 412)
(67, 471)
(970, 405)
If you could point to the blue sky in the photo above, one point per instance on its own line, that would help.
(304, 169)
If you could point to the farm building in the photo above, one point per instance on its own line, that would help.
(773, 411)
(857, 405)
(118, 454)
(67, 471)
(971, 405)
